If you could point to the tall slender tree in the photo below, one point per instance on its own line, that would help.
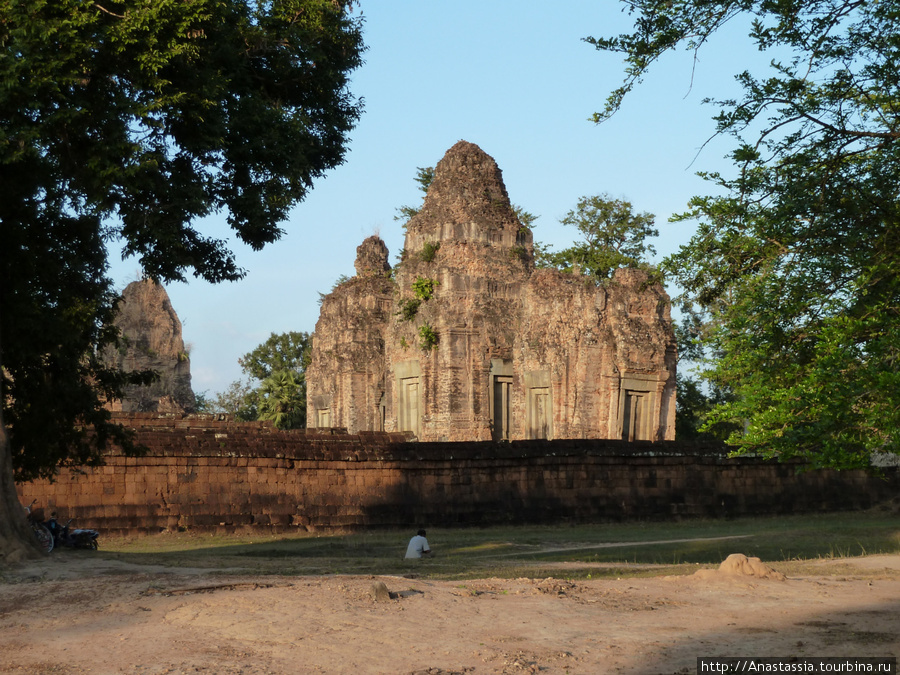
(128, 120)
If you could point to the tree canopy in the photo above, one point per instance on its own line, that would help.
(130, 121)
(276, 386)
(280, 352)
(612, 236)
(794, 266)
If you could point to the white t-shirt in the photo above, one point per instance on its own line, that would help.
(417, 546)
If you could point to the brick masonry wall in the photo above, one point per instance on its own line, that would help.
(204, 472)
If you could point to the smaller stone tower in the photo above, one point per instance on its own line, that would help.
(347, 366)
(151, 340)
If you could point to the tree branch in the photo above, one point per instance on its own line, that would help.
(106, 11)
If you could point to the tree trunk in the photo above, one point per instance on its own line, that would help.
(17, 542)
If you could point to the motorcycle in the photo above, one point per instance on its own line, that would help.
(41, 532)
(78, 538)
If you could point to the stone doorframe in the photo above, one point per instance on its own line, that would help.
(539, 405)
(321, 414)
(637, 412)
(500, 400)
(410, 402)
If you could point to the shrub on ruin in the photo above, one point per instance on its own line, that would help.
(423, 288)
(429, 338)
(409, 308)
(429, 251)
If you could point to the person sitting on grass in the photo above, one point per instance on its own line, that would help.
(418, 546)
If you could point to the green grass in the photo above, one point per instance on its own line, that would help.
(577, 551)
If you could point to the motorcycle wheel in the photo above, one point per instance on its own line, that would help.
(45, 539)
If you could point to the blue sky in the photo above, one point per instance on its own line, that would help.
(512, 76)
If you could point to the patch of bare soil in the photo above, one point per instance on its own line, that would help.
(81, 615)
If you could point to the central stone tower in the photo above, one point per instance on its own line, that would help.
(465, 340)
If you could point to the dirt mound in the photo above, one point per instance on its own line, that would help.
(738, 563)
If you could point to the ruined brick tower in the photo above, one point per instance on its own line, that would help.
(468, 341)
(151, 340)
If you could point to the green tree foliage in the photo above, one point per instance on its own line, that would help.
(278, 367)
(692, 404)
(423, 288)
(202, 402)
(54, 382)
(526, 218)
(239, 400)
(429, 338)
(424, 177)
(281, 352)
(695, 399)
(128, 120)
(408, 308)
(795, 266)
(282, 399)
(429, 251)
(612, 235)
(342, 279)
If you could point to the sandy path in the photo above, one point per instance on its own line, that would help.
(84, 616)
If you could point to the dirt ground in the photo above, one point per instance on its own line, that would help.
(75, 614)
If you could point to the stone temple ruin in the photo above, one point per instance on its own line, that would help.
(466, 340)
(151, 340)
